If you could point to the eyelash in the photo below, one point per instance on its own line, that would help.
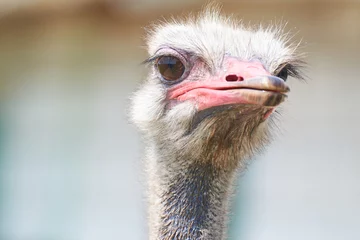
(291, 69)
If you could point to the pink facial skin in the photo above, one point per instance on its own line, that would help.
(238, 83)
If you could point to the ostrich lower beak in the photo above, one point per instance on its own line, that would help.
(266, 91)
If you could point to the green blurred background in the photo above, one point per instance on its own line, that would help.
(70, 163)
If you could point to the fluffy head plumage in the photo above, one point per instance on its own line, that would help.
(209, 37)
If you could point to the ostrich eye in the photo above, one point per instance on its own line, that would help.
(283, 74)
(170, 68)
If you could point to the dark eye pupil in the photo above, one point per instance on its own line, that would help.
(283, 74)
(170, 68)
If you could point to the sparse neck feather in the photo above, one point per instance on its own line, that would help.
(189, 199)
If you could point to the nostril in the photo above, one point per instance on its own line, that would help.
(231, 78)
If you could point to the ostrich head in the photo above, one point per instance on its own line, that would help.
(206, 107)
(213, 87)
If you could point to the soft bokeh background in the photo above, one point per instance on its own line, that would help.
(70, 165)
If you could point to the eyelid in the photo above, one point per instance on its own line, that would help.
(168, 51)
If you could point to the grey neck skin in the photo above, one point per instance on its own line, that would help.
(195, 205)
(192, 203)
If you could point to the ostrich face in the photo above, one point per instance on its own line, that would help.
(213, 81)
(188, 78)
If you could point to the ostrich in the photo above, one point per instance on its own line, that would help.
(205, 109)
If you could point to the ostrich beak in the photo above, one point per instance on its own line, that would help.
(266, 91)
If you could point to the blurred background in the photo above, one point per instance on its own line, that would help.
(70, 163)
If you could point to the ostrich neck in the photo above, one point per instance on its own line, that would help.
(189, 200)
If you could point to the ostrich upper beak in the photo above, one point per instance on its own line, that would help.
(241, 83)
